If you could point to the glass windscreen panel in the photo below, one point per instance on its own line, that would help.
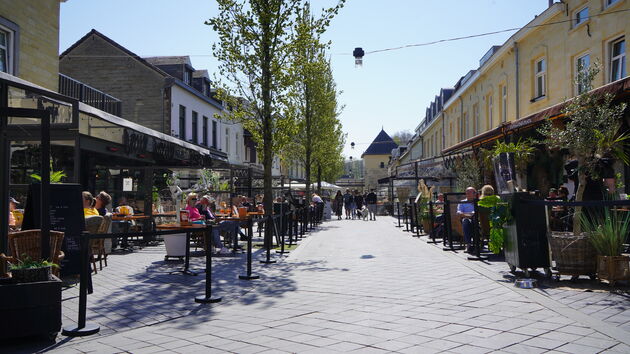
(25, 160)
(61, 112)
(100, 128)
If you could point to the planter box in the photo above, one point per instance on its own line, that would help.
(175, 245)
(613, 268)
(30, 309)
(574, 255)
(31, 275)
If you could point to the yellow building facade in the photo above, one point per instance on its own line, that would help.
(534, 69)
(29, 40)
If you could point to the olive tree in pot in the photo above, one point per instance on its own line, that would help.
(592, 135)
(607, 232)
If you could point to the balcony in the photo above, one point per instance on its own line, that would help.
(89, 95)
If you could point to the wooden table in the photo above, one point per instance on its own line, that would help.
(188, 228)
(119, 217)
(170, 214)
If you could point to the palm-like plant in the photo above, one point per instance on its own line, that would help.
(607, 230)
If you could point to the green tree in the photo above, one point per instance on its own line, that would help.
(313, 101)
(591, 132)
(255, 45)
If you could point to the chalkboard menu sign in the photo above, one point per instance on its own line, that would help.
(66, 215)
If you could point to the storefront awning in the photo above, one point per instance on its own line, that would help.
(618, 87)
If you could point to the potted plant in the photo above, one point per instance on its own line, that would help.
(423, 197)
(28, 270)
(30, 303)
(592, 135)
(607, 232)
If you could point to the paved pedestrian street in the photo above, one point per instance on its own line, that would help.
(351, 285)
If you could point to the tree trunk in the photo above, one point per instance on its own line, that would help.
(579, 195)
(267, 116)
(319, 178)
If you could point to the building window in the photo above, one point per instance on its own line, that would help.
(227, 141)
(205, 88)
(5, 51)
(214, 134)
(195, 127)
(382, 164)
(476, 122)
(580, 16)
(204, 132)
(489, 122)
(182, 122)
(186, 77)
(618, 59)
(238, 147)
(581, 71)
(504, 103)
(611, 2)
(540, 78)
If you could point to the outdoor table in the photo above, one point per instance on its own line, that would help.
(171, 214)
(127, 219)
(174, 226)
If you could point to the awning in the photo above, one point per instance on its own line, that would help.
(618, 87)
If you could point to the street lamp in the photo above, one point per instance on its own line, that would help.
(358, 57)
(352, 145)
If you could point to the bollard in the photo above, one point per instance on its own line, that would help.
(406, 216)
(398, 214)
(268, 240)
(207, 297)
(290, 227)
(249, 276)
(282, 230)
(82, 328)
(476, 236)
(432, 222)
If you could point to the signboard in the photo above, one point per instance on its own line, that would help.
(66, 215)
(128, 184)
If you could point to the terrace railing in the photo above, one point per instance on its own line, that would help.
(89, 95)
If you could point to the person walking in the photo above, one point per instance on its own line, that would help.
(348, 200)
(370, 200)
(338, 204)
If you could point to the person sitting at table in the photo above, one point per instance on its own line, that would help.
(553, 193)
(102, 200)
(123, 207)
(193, 212)
(12, 221)
(88, 205)
(466, 211)
(205, 210)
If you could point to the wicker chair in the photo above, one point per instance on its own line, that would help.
(97, 248)
(28, 243)
(105, 228)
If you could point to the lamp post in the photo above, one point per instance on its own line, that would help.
(358, 54)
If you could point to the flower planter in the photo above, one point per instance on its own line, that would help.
(613, 268)
(426, 225)
(574, 254)
(30, 309)
(175, 245)
(31, 275)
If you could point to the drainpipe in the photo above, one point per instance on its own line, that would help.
(517, 80)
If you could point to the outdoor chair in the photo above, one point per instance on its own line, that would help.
(105, 228)
(28, 244)
(484, 223)
(97, 248)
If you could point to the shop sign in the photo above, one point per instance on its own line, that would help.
(127, 184)
(134, 142)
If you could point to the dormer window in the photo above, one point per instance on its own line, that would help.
(187, 75)
(204, 89)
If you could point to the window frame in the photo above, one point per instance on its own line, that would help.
(504, 97)
(540, 89)
(582, 21)
(12, 46)
(609, 3)
(576, 67)
(489, 113)
(622, 59)
(195, 127)
(204, 129)
(181, 133)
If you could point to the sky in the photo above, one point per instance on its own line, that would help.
(391, 90)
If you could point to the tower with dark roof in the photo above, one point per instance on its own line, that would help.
(376, 158)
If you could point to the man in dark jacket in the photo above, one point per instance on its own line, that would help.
(370, 200)
(348, 200)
